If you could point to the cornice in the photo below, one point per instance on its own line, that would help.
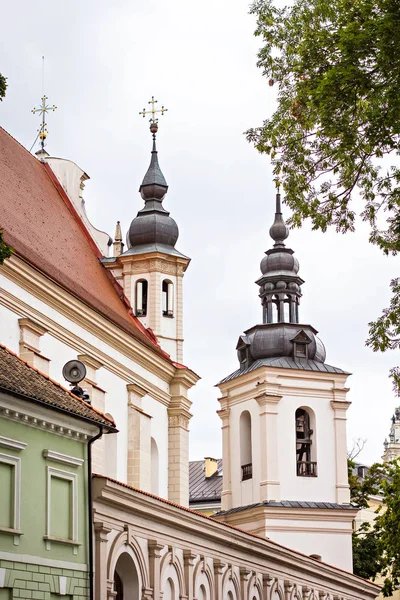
(20, 272)
(44, 418)
(82, 347)
(219, 539)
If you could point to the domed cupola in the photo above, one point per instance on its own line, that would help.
(153, 226)
(280, 334)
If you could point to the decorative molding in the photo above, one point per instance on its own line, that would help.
(178, 421)
(6, 442)
(28, 417)
(44, 562)
(52, 472)
(15, 462)
(63, 458)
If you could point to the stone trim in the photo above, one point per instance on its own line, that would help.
(52, 472)
(6, 442)
(16, 528)
(65, 459)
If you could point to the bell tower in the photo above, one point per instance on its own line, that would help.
(392, 445)
(283, 418)
(151, 269)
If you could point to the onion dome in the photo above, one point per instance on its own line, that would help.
(153, 225)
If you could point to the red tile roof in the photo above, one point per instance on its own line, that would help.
(18, 377)
(43, 227)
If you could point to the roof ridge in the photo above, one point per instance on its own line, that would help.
(56, 383)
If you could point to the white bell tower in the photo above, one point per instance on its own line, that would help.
(283, 418)
(392, 445)
(151, 269)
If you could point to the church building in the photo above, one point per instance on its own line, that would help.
(287, 409)
(284, 532)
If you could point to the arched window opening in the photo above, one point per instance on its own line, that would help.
(202, 595)
(169, 591)
(154, 467)
(110, 453)
(245, 446)
(167, 298)
(142, 287)
(306, 467)
(275, 310)
(126, 581)
(286, 309)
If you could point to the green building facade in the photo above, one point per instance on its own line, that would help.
(44, 487)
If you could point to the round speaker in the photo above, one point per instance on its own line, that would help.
(74, 371)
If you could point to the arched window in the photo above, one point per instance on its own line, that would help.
(306, 464)
(286, 309)
(126, 581)
(169, 591)
(245, 445)
(110, 453)
(275, 309)
(141, 297)
(154, 467)
(167, 298)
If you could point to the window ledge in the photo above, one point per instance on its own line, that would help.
(11, 531)
(168, 315)
(49, 539)
(16, 533)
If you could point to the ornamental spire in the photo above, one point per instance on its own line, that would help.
(278, 230)
(153, 183)
(42, 109)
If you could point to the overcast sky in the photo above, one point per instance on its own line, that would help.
(104, 60)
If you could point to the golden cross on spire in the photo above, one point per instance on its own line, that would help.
(153, 111)
(43, 109)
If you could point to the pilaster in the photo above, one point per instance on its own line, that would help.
(101, 532)
(342, 483)
(155, 550)
(226, 495)
(139, 440)
(219, 567)
(269, 483)
(178, 436)
(97, 398)
(29, 344)
(188, 563)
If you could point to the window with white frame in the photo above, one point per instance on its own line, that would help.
(62, 508)
(10, 493)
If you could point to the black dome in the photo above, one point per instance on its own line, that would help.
(152, 228)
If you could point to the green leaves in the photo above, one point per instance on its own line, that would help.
(336, 131)
(3, 86)
(5, 251)
(376, 544)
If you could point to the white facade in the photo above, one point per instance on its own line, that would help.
(271, 396)
(47, 326)
(392, 445)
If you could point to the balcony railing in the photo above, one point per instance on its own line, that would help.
(247, 471)
(306, 469)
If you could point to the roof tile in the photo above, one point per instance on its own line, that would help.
(18, 377)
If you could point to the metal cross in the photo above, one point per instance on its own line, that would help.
(153, 111)
(43, 109)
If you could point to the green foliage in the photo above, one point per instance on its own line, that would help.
(5, 251)
(376, 545)
(3, 86)
(335, 135)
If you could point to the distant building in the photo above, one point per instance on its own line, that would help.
(392, 445)
(205, 485)
(45, 437)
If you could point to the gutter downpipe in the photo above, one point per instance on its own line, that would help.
(90, 514)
